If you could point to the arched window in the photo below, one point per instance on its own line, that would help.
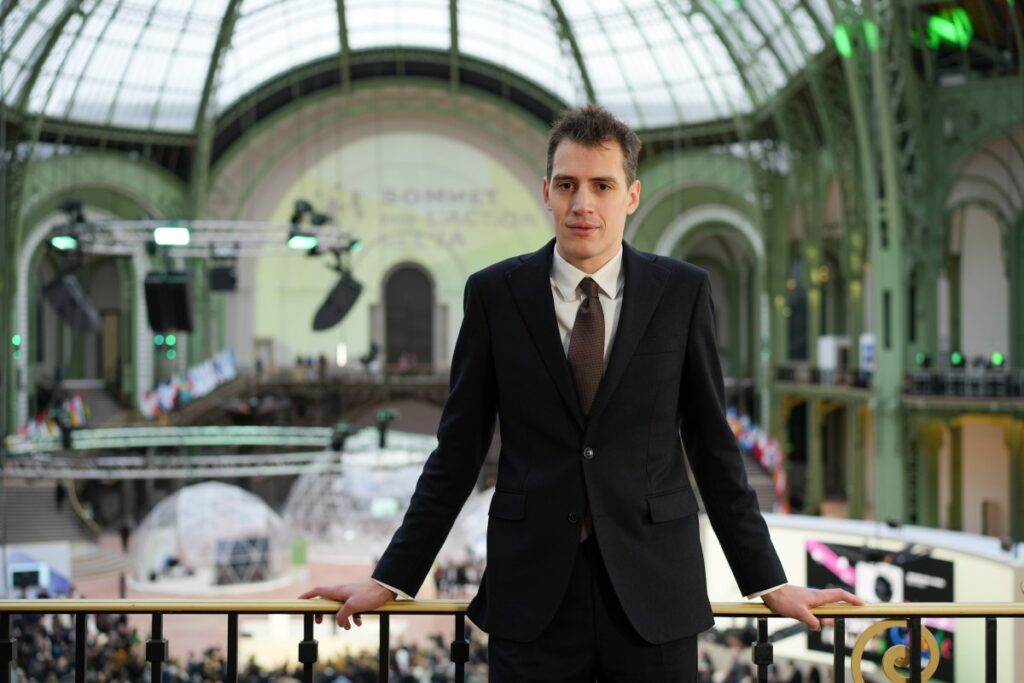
(409, 312)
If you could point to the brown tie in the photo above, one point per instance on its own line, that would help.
(586, 345)
(586, 359)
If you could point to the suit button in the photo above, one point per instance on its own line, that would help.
(588, 453)
(573, 518)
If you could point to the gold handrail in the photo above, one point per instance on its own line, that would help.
(720, 609)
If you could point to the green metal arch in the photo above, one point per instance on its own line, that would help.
(713, 230)
(127, 184)
(672, 183)
(564, 28)
(371, 106)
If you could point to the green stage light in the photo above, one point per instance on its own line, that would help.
(921, 359)
(355, 246)
(16, 340)
(171, 236)
(64, 242)
(950, 26)
(870, 34)
(17, 355)
(302, 242)
(158, 340)
(842, 40)
(998, 359)
(956, 359)
(171, 354)
(171, 340)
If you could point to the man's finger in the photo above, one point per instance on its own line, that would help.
(343, 616)
(838, 595)
(850, 598)
(811, 620)
(358, 620)
(311, 593)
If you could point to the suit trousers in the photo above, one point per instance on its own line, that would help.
(591, 639)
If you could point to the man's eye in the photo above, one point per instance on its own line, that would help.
(604, 186)
(565, 186)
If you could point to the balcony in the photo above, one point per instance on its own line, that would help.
(921, 645)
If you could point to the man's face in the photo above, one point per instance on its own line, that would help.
(589, 198)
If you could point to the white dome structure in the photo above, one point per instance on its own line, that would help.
(216, 533)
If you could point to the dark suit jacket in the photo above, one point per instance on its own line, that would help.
(662, 380)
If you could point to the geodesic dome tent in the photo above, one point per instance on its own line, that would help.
(218, 533)
(360, 504)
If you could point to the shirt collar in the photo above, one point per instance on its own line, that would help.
(567, 277)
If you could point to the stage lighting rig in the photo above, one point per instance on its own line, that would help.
(299, 237)
(65, 237)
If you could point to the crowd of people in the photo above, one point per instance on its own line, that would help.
(458, 579)
(116, 652)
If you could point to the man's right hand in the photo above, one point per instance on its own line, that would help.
(364, 596)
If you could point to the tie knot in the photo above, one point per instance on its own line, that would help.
(589, 287)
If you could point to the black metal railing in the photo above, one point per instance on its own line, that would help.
(908, 615)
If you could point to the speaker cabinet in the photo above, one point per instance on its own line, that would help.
(169, 301)
(338, 303)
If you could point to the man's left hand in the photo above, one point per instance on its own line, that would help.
(796, 602)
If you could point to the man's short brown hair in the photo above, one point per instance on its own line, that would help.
(593, 126)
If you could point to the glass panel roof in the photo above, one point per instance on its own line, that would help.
(143, 64)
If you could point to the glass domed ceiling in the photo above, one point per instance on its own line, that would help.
(143, 64)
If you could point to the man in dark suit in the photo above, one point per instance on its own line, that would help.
(596, 358)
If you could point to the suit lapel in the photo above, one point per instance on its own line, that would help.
(531, 288)
(644, 284)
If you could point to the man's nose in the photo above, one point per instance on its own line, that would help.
(583, 202)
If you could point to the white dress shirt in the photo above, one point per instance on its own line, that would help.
(565, 281)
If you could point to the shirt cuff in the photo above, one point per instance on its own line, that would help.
(752, 596)
(402, 594)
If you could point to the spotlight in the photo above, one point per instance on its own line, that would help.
(171, 236)
(302, 241)
(64, 242)
(956, 359)
(997, 360)
(384, 418)
(922, 359)
(339, 435)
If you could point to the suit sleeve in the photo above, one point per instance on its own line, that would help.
(464, 436)
(716, 461)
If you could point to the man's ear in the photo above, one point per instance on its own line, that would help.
(634, 197)
(544, 191)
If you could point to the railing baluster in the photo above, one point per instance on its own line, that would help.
(308, 649)
(990, 650)
(460, 648)
(384, 652)
(8, 648)
(232, 663)
(156, 648)
(915, 649)
(80, 648)
(762, 650)
(839, 650)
